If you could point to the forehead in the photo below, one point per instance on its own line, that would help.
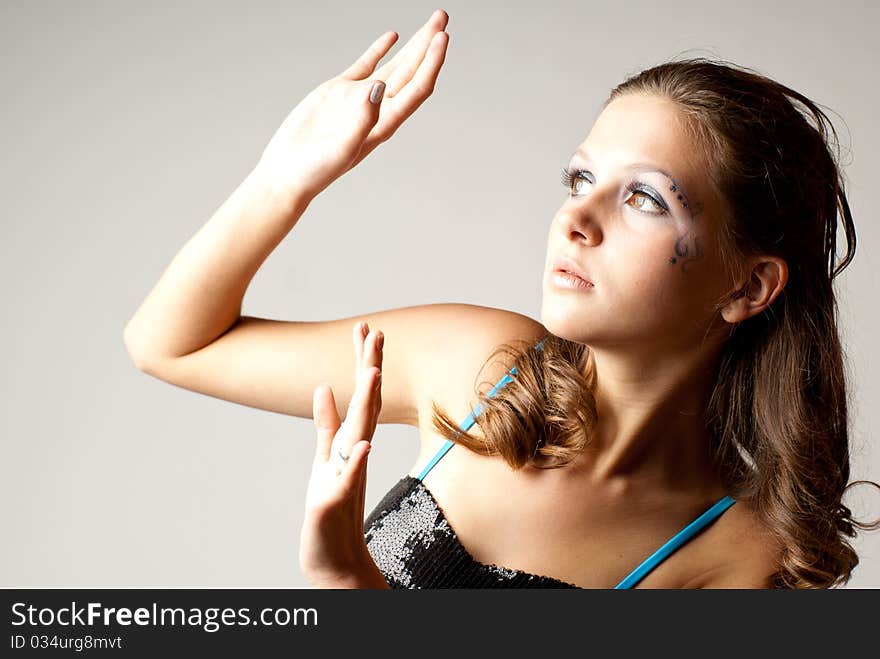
(638, 128)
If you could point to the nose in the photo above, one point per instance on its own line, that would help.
(578, 222)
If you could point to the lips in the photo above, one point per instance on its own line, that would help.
(565, 264)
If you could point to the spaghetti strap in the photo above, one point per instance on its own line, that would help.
(472, 417)
(675, 542)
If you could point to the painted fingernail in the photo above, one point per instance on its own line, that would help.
(377, 92)
(380, 342)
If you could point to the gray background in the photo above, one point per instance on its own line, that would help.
(125, 126)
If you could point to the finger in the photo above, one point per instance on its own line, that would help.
(398, 109)
(372, 357)
(326, 420)
(363, 401)
(353, 472)
(363, 66)
(412, 51)
(360, 417)
(404, 72)
(376, 359)
(371, 354)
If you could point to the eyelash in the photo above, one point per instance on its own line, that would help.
(569, 175)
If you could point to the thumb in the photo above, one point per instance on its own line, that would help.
(326, 420)
(376, 92)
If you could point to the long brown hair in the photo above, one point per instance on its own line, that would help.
(778, 411)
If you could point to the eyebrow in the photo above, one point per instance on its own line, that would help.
(647, 167)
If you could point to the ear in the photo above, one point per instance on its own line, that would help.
(766, 281)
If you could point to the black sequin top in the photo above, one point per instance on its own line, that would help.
(415, 547)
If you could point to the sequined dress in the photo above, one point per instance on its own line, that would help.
(414, 546)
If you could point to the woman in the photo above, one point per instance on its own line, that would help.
(678, 417)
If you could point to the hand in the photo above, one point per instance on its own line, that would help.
(333, 128)
(332, 545)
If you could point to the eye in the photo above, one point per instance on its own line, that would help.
(643, 199)
(647, 201)
(572, 178)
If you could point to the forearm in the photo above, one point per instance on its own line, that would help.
(199, 295)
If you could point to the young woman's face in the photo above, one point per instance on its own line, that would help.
(640, 223)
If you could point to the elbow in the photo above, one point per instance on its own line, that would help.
(137, 356)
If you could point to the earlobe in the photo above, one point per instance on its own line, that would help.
(736, 311)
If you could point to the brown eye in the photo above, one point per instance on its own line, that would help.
(573, 179)
(653, 206)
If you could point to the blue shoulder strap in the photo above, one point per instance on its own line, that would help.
(675, 542)
(472, 417)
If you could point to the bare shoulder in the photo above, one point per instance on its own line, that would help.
(450, 372)
(751, 553)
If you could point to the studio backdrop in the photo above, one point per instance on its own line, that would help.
(125, 125)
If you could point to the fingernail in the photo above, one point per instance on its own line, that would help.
(377, 92)
(378, 380)
(380, 342)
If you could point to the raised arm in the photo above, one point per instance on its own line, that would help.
(199, 296)
(190, 331)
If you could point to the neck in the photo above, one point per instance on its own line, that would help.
(651, 422)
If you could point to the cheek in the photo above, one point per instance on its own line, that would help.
(653, 288)
(679, 279)
(664, 277)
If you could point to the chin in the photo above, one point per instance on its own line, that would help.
(561, 323)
